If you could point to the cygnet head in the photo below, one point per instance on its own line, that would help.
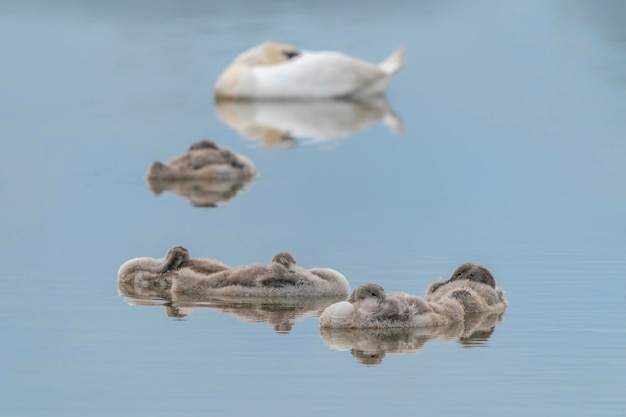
(473, 272)
(285, 259)
(268, 53)
(175, 257)
(369, 291)
(158, 170)
(203, 144)
(230, 157)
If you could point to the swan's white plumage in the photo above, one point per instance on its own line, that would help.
(310, 75)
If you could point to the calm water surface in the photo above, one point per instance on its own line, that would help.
(512, 154)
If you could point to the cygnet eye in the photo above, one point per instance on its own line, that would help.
(373, 294)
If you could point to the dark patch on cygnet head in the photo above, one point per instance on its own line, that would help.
(367, 291)
(203, 144)
(231, 158)
(227, 155)
(175, 312)
(284, 328)
(473, 272)
(158, 169)
(462, 295)
(477, 338)
(174, 258)
(368, 358)
(285, 259)
(434, 287)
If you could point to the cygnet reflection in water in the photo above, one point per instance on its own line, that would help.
(275, 123)
(206, 174)
(370, 346)
(279, 313)
(202, 193)
(182, 276)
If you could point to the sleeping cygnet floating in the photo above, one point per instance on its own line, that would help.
(473, 286)
(184, 276)
(279, 71)
(204, 161)
(470, 289)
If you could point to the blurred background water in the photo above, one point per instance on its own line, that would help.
(512, 154)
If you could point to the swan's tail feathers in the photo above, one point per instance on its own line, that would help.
(393, 62)
(393, 122)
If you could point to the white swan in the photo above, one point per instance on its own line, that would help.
(280, 71)
(278, 122)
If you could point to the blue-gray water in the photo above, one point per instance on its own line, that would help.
(513, 155)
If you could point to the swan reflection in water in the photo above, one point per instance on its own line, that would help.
(370, 346)
(206, 174)
(279, 313)
(280, 123)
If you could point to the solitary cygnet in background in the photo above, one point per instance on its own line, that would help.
(471, 289)
(186, 277)
(279, 71)
(474, 286)
(204, 161)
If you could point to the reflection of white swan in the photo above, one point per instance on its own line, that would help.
(278, 122)
(370, 346)
(279, 71)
